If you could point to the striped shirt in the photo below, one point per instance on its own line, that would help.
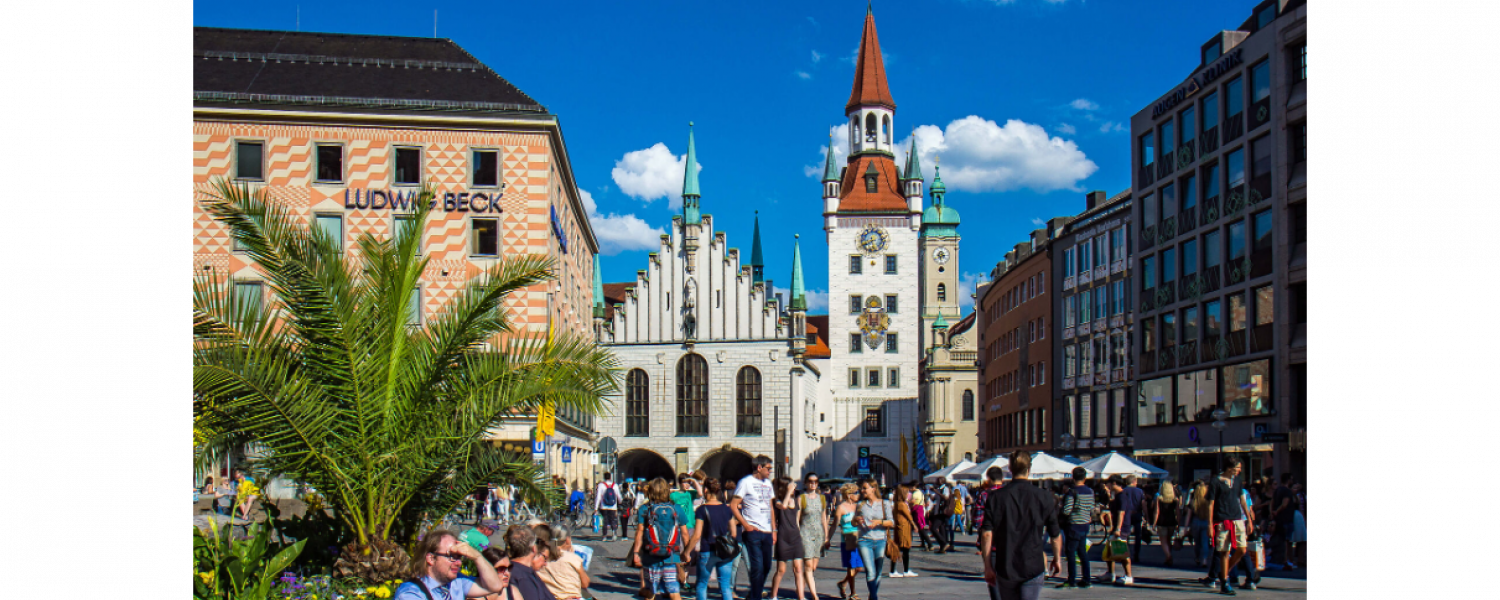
(1078, 508)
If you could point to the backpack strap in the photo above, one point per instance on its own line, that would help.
(421, 586)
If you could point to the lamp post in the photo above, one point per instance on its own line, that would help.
(1219, 415)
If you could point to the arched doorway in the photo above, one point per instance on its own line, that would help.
(730, 464)
(640, 463)
(882, 470)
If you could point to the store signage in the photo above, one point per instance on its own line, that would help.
(1274, 437)
(479, 202)
(1197, 82)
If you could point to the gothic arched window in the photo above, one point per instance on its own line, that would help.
(968, 405)
(637, 404)
(692, 395)
(747, 396)
(942, 293)
(870, 127)
(885, 128)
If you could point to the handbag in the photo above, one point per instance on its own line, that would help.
(724, 545)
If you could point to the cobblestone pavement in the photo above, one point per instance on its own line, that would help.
(957, 575)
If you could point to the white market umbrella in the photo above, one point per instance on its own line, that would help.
(1115, 463)
(976, 472)
(941, 475)
(1046, 466)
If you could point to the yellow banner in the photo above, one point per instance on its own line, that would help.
(546, 420)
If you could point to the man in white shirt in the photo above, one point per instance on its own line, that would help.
(759, 538)
(609, 511)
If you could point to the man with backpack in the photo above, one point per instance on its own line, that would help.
(607, 505)
(660, 536)
(1076, 515)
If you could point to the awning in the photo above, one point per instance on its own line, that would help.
(1204, 450)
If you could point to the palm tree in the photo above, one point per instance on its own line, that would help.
(337, 387)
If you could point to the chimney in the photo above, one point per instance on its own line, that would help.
(1095, 198)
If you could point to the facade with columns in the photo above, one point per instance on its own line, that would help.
(712, 361)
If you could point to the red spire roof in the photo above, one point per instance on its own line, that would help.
(870, 87)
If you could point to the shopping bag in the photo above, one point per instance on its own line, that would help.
(1115, 550)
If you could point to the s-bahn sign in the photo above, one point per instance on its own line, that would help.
(1197, 82)
(478, 202)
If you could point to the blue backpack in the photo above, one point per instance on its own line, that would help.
(661, 542)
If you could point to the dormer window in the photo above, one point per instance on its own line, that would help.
(870, 183)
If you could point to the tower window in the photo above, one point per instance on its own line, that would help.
(855, 267)
(890, 264)
(885, 128)
(942, 293)
(870, 128)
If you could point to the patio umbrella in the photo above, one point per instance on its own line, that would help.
(942, 474)
(976, 472)
(1046, 466)
(1115, 463)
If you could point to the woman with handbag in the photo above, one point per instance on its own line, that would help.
(1164, 517)
(899, 547)
(714, 540)
(849, 545)
(875, 518)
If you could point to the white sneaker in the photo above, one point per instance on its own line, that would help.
(910, 574)
(1127, 580)
(897, 574)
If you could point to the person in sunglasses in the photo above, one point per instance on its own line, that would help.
(435, 573)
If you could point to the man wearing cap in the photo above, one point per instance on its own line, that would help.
(479, 536)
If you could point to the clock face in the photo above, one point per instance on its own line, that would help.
(872, 239)
(940, 256)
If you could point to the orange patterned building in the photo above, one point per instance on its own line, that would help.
(346, 129)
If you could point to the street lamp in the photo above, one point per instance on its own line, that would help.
(1219, 415)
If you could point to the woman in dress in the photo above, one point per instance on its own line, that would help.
(788, 537)
(814, 525)
(1164, 517)
(849, 544)
(875, 518)
(905, 523)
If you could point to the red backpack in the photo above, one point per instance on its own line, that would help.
(658, 542)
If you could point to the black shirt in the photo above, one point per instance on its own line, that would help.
(1284, 493)
(717, 517)
(1226, 500)
(1015, 516)
(526, 583)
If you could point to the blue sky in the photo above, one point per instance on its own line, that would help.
(1027, 101)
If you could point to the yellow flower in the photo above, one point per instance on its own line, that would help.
(370, 590)
(207, 577)
(383, 592)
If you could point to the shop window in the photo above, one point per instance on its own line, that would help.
(333, 227)
(1197, 396)
(408, 166)
(486, 168)
(1247, 389)
(330, 163)
(486, 233)
(1153, 406)
(249, 160)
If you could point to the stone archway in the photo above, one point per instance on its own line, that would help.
(882, 470)
(731, 464)
(641, 463)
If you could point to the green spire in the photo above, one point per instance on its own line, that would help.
(799, 290)
(937, 184)
(940, 323)
(690, 214)
(757, 261)
(598, 289)
(913, 164)
(830, 171)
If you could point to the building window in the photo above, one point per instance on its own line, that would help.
(853, 378)
(968, 405)
(692, 395)
(1234, 165)
(890, 264)
(1260, 168)
(1236, 241)
(873, 379)
(251, 292)
(1187, 123)
(1265, 16)
(893, 377)
(1148, 149)
(1084, 307)
(1299, 143)
(1086, 256)
(1247, 389)
(414, 307)
(1070, 266)
(1121, 419)
(1189, 258)
(1260, 255)
(1149, 218)
(1117, 240)
(1212, 51)
(1238, 321)
(249, 161)
(1085, 417)
(1154, 405)
(486, 168)
(890, 303)
(1303, 72)
(333, 227)
(408, 166)
(1031, 330)
(1168, 137)
(330, 167)
(1070, 354)
(1119, 296)
(1168, 266)
(486, 237)
(1041, 373)
(856, 304)
(1197, 397)
(1101, 302)
(1265, 316)
(942, 293)
(399, 221)
(1148, 272)
(1148, 344)
(1213, 325)
(1212, 251)
(1070, 311)
(1260, 81)
(855, 266)
(1234, 98)
(874, 421)
(1041, 283)
(1299, 222)
(1041, 328)
(1211, 181)
(637, 404)
(747, 402)
(855, 345)
(891, 345)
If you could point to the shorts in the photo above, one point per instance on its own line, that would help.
(851, 557)
(1230, 535)
(663, 578)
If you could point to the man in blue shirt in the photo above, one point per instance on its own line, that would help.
(1127, 520)
(443, 555)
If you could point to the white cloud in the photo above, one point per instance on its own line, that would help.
(804, 75)
(840, 151)
(1084, 104)
(618, 233)
(817, 300)
(1113, 127)
(816, 56)
(652, 173)
(966, 284)
(1066, 129)
(982, 156)
(1038, 221)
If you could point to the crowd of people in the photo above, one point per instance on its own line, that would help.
(779, 528)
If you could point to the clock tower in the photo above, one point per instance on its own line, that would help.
(872, 216)
(939, 263)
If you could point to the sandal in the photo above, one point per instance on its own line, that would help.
(842, 595)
